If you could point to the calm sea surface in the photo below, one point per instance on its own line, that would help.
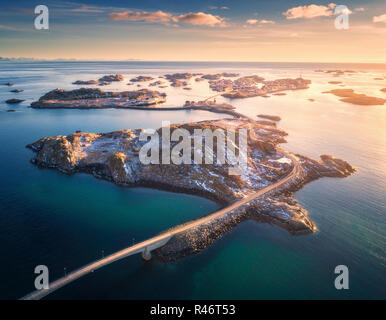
(67, 221)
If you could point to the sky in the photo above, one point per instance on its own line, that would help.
(199, 30)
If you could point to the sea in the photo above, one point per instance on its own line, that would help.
(64, 222)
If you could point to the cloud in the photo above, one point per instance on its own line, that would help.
(201, 18)
(309, 12)
(266, 21)
(157, 16)
(381, 18)
(359, 9)
(194, 18)
(87, 9)
(20, 10)
(251, 21)
(255, 21)
(9, 28)
(215, 8)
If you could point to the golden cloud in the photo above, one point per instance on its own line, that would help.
(309, 12)
(381, 18)
(201, 18)
(157, 16)
(194, 18)
(255, 21)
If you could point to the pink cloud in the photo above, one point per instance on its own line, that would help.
(309, 12)
(87, 9)
(252, 21)
(256, 21)
(266, 21)
(194, 18)
(157, 16)
(381, 18)
(201, 18)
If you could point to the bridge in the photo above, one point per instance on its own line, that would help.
(145, 247)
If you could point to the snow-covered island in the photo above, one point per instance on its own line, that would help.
(114, 156)
(91, 98)
(253, 86)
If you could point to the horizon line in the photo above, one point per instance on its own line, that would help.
(142, 60)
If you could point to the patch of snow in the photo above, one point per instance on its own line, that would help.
(282, 160)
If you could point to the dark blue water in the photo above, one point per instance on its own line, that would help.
(66, 221)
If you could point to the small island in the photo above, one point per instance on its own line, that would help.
(178, 79)
(13, 101)
(247, 87)
(111, 77)
(142, 79)
(348, 95)
(103, 81)
(85, 82)
(269, 117)
(337, 72)
(90, 98)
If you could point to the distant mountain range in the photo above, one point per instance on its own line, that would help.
(22, 59)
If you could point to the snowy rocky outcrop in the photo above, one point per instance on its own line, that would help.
(93, 98)
(114, 156)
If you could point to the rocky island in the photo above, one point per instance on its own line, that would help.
(111, 77)
(348, 95)
(142, 79)
(13, 101)
(114, 156)
(269, 117)
(178, 79)
(88, 98)
(337, 72)
(84, 82)
(253, 86)
(103, 81)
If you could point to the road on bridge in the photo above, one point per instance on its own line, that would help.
(159, 240)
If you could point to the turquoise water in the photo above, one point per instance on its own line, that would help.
(66, 221)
